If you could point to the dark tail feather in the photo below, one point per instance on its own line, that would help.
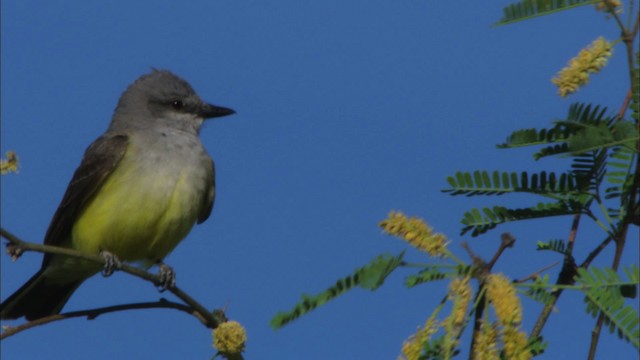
(37, 299)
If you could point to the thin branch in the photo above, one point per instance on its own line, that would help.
(625, 104)
(205, 316)
(593, 254)
(91, 314)
(536, 274)
(564, 278)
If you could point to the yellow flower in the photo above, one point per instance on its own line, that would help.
(486, 345)
(506, 302)
(412, 347)
(460, 292)
(229, 338)
(416, 232)
(10, 164)
(590, 60)
(515, 344)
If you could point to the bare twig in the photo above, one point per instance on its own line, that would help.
(205, 316)
(536, 274)
(595, 252)
(91, 314)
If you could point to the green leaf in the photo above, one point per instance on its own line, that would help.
(532, 137)
(482, 183)
(556, 245)
(537, 346)
(433, 273)
(528, 9)
(604, 292)
(602, 135)
(540, 290)
(480, 222)
(370, 276)
(585, 128)
(589, 169)
(426, 275)
(620, 176)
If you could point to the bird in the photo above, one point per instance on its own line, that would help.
(139, 190)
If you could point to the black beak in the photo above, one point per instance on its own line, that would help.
(208, 111)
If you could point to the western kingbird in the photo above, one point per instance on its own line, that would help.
(138, 191)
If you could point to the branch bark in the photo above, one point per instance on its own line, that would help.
(16, 247)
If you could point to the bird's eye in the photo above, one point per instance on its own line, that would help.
(177, 104)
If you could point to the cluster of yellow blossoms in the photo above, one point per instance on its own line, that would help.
(416, 232)
(412, 347)
(486, 347)
(460, 292)
(230, 339)
(10, 164)
(589, 60)
(508, 309)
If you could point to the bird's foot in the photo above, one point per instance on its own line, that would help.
(111, 263)
(167, 277)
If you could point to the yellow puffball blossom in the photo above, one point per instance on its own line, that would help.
(460, 292)
(515, 344)
(486, 344)
(508, 309)
(10, 164)
(229, 337)
(416, 232)
(504, 299)
(412, 347)
(590, 60)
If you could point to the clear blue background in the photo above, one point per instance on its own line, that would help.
(346, 110)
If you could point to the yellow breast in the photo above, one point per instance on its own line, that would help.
(140, 213)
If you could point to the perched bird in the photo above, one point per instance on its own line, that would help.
(137, 193)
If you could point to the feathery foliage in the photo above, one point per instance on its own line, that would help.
(602, 287)
(540, 290)
(600, 147)
(601, 182)
(370, 277)
(527, 9)
(556, 245)
(479, 222)
(498, 183)
(433, 273)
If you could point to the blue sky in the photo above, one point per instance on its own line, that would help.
(346, 110)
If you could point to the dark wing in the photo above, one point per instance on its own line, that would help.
(98, 163)
(209, 197)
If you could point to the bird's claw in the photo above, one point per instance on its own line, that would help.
(167, 277)
(111, 263)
